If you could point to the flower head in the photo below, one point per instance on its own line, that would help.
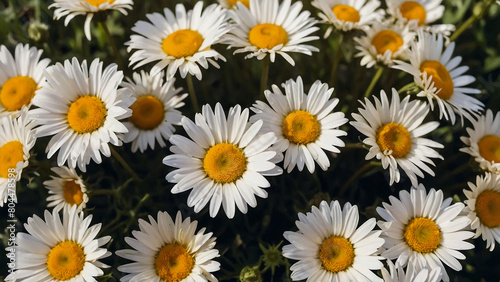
(396, 273)
(66, 190)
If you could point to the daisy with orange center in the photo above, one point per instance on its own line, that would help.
(232, 4)
(66, 189)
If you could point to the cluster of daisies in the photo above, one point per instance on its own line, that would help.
(226, 157)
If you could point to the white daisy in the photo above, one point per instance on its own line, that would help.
(383, 43)
(345, 15)
(154, 113)
(421, 228)
(224, 162)
(66, 190)
(231, 4)
(17, 137)
(483, 143)
(56, 250)
(394, 133)
(72, 8)
(396, 273)
(20, 77)
(329, 247)
(270, 28)
(82, 107)
(303, 123)
(180, 41)
(165, 250)
(440, 77)
(483, 200)
(421, 12)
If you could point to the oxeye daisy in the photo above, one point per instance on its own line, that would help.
(17, 137)
(330, 247)
(55, 250)
(72, 8)
(483, 202)
(483, 142)
(180, 41)
(394, 133)
(82, 107)
(20, 77)
(440, 77)
(231, 4)
(224, 162)
(154, 113)
(165, 250)
(66, 189)
(421, 228)
(396, 273)
(269, 28)
(421, 12)
(303, 123)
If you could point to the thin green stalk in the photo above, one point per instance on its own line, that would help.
(406, 87)
(476, 15)
(111, 41)
(192, 93)
(336, 60)
(463, 27)
(119, 158)
(264, 76)
(375, 78)
(360, 171)
(103, 192)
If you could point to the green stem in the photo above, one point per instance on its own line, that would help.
(111, 41)
(463, 27)
(406, 87)
(476, 15)
(133, 213)
(336, 60)
(375, 78)
(360, 171)
(192, 93)
(123, 163)
(102, 192)
(263, 77)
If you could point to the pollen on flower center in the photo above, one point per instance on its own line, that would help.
(73, 194)
(489, 148)
(65, 260)
(244, 2)
(267, 36)
(10, 154)
(412, 10)
(97, 3)
(17, 92)
(336, 254)
(301, 127)
(488, 208)
(346, 13)
(147, 112)
(87, 114)
(394, 137)
(182, 43)
(422, 235)
(173, 263)
(224, 163)
(387, 40)
(440, 76)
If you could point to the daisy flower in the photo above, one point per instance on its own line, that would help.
(180, 41)
(421, 228)
(421, 12)
(20, 77)
(66, 190)
(56, 250)
(165, 250)
(330, 247)
(303, 123)
(483, 200)
(72, 8)
(17, 137)
(82, 107)
(224, 162)
(394, 133)
(396, 273)
(231, 4)
(270, 28)
(484, 141)
(383, 43)
(154, 113)
(440, 77)
(345, 15)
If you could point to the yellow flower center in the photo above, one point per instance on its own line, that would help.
(300, 127)
(422, 235)
(346, 13)
(489, 148)
(10, 154)
(387, 40)
(394, 137)
(267, 36)
(147, 112)
(336, 254)
(244, 2)
(224, 163)
(97, 3)
(65, 260)
(182, 43)
(412, 10)
(87, 114)
(73, 194)
(173, 263)
(17, 92)
(440, 76)
(488, 208)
